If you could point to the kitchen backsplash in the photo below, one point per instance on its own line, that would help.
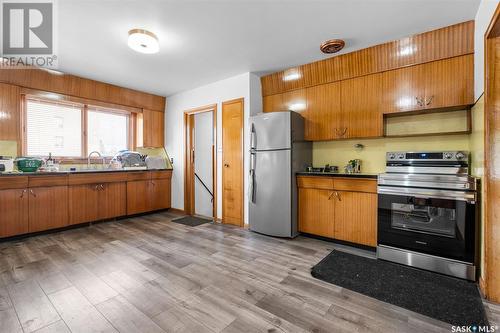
(8, 148)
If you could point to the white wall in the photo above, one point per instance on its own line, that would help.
(246, 85)
(203, 165)
(483, 18)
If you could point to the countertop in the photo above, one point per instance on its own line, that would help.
(62, 173)
(338, 174)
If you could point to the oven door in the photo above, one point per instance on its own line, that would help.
(436, 222)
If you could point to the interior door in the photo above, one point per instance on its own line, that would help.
(232, 162)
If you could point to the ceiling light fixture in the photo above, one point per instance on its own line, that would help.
(332, 46)
(143, 41)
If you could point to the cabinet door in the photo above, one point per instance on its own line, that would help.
(361, 101)
(403, 89)
(48, 208)
(83, 203)
(14, 212)
(273, 103)
(323, 118)
(295, 100)
(316, 211)
(449, 82)
(153, 123)
(160, 194)
(138, 196)
(356, 217)
(112, 200)
(10, 97)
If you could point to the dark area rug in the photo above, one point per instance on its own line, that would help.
(191, 221)
(451, 300)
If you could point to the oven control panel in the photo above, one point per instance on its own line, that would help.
(460, 156)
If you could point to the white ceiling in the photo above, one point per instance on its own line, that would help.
(204, 41)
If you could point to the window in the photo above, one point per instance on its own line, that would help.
(107, 132)
(59, 128)
(53, 128)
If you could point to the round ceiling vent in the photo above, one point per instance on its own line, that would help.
(332, 46)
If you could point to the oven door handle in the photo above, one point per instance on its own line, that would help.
(469, 197)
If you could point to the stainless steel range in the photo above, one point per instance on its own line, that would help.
(427, 212)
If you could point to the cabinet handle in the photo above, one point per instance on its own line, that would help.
(101, 186)
(337, 194)
(429, 101)
(344, 131)
(153, 183)
(337, 132)
(331, 194)
(22, 193)
(32, 193)
(96, 188)
(420, 101)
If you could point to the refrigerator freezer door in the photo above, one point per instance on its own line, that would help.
(270, 131)
(270, 210)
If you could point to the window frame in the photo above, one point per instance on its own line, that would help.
(85, 107)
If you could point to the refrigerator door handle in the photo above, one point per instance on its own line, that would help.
(251, 180)
(252, 137)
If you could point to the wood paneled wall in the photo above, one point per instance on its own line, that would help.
(434, 45)
(66, 84)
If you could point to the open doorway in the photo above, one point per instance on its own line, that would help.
(200, 180)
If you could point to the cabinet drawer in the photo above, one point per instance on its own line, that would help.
(166, 174)
(12, 182)
(98, 177)
(315, 182)
(49, 180)
(356, 185)
(142, 175)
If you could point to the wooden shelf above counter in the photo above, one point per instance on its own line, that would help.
(339, 207)
(40, 202)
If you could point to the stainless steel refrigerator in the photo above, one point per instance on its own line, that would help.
(277, 151)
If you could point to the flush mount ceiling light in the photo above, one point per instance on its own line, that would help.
(143, 41)
(332, 46)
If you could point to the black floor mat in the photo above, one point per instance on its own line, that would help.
(191, 221)
(451, 300)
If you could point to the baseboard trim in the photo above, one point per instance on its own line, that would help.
(177, 211)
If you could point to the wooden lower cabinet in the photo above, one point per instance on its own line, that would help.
(316, 212)
(138, 196)
(14, 212)
(83, 203)
(94, 202)
(356, 218)
(343, 209)
(160, 196)
(48, 208)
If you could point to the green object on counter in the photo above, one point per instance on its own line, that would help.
(28, 164)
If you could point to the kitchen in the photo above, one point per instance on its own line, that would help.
(331, 178)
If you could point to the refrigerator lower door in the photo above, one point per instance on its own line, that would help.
(270, 206)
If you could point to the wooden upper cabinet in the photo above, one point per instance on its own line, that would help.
(438, 84)
(48, 208)
(273, 103)
(153, 128)
(14, 208)
(361, 104)
(295, 100)
(10, 97)
(323, 117)
(404, 89)
(449, 82)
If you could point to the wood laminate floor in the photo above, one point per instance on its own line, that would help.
(147, 274)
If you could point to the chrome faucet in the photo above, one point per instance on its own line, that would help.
(98, 154)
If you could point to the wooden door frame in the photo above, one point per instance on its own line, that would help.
(489, 285)
(232, 101)
(189, 203)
